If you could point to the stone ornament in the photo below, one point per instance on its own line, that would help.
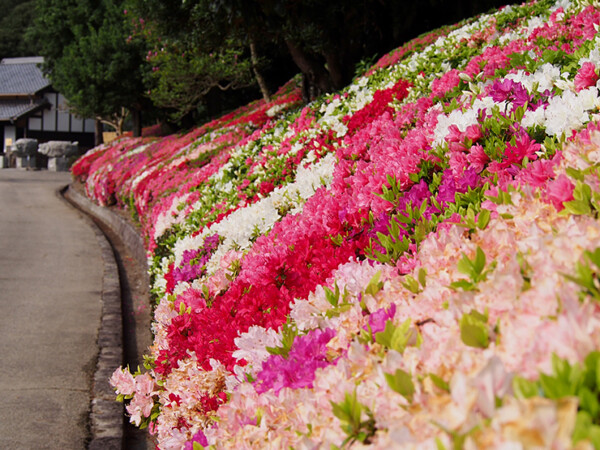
(54, 149)
(25, 147)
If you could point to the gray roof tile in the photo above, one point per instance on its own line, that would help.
(21, 76)
(13, 109)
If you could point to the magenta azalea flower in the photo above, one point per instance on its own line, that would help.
(200, 438)
(308, 353)
(378, 319)
(507, 90)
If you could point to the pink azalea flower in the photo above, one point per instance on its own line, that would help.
(559, 191)
(477, 158)
(586, 76)
(474, 132)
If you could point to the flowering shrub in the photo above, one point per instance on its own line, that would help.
(411, 262)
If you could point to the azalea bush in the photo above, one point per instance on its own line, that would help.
(411, 262)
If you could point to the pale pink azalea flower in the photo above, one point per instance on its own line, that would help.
(140, 407)
(252, 345)
(493, 381)
(123, 382)
(144, 385)
(519, 421)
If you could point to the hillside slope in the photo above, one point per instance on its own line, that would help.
(411, 262)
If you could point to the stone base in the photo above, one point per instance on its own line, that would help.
(3, 162)
(25, 162)
(58, 164)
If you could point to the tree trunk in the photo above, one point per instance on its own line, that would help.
(335, 69)
(136, 118)
(259, 78)
(98, 139)
(315, 76)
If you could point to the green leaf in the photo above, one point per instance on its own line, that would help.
(594, 256)
(479, 262)
(401, 336)
(341, 410)
(289, 333)
(577, 207)
(465, 265)
(481, 317)
(259, 415)
(349, 412)
(592, 371)
(483, 219)
(275, 351)
(439, 382)
(465, 285)
(374, 285)
(205, 291)
(198, 446)
(588, 401)
(439, 444)
(337, 240)
(524, 388)
(585, 429)
(401, 382)
(554, 387)
(474, 331)
(411, 284)
(422, 275)
(582, 195)
(597, 372)
(385, 337)
(575, 174)
(594, 435)
(473, 268)
(331, 296)
(398, 338)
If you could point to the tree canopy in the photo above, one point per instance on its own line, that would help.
(89, 58)
(17, 16)
(324, 39)
(111, 56)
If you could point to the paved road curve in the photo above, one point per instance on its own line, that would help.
(50, 288)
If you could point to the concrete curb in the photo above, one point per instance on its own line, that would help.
(120, 226)
(106, 415)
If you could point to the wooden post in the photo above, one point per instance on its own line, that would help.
(97, 132)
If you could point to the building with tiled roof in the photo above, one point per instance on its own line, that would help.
(30, 107)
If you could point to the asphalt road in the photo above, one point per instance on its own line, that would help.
(50, 309)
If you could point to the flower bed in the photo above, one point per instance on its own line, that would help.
(411, 262)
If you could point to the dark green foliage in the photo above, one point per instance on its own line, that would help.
(17, 16)
(97, 51)
(89, 57)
